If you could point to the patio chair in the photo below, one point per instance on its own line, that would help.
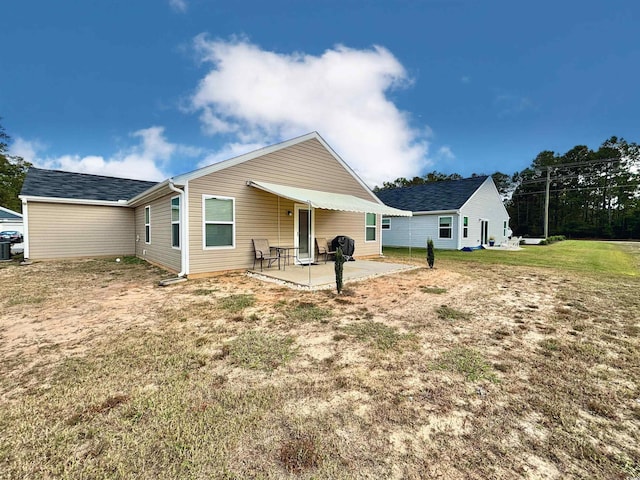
(264, 252)
(322, 247)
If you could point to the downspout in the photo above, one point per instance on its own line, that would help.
(183, 230)
(25, 230)
(311, 252)
(410, 235)
(460, 229)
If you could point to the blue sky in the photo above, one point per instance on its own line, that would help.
(148, 89)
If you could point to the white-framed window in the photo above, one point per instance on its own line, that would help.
(175, 221)
(370, 230)
(504, 229)
(147, 224)
(386, 223)
(465, 227)
(219, 222)
(445, 225)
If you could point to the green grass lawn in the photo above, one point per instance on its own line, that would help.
(590, 257)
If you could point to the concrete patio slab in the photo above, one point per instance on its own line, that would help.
(322, 275)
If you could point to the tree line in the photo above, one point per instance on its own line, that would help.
(591, 193)
(12, 172)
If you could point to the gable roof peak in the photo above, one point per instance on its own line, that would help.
(433, 196)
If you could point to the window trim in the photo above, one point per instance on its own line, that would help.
(205, 197)
(176, 222)
(450, 227)
(465, 227)
(147, 224)
(374, 227)
(385, 223)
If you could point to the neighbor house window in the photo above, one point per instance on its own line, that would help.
(386, 223)
(465, 227)
(504, 229)
(147, 224)
(446, 227)
(371, 227)
(219, 221)
(175, 222)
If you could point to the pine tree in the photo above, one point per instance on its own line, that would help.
(430, 253)
(339, 265)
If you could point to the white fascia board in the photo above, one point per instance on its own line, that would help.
(436, 212)
(494, 188)
(150, 192)
(74, 201)
(11, 212)
(201, 172)
(348, 168)
(475, 192)
(185, 177)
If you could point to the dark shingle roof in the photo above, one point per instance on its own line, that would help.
(9, 214)
(81, 186)
(446, 195)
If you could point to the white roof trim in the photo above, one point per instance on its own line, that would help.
(149, 192)
(11, 212)
(74, 201)
(328, 200)
(489, 179)
(185, 177)
(436, 212)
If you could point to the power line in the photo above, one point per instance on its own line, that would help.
(573, 189)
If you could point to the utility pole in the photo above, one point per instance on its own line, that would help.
(546, 204)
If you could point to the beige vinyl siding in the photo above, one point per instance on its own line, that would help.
(159, 251)
(59, 230)
(262, 215)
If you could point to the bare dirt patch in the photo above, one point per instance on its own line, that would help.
(460, 371)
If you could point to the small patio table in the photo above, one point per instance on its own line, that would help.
(285, 252)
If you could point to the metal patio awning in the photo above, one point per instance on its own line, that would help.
(329, 200)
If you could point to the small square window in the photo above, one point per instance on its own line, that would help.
(370, 234)
(175, 222)
(219, 221)
(446, 227)
(147, 224)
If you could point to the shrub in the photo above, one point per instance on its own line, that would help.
(556, 238)
(339, 267)
(430, 253)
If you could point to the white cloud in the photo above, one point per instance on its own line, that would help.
(178, 5)
(146, 160)
(445, 153)
(253, 96)
(25, 149)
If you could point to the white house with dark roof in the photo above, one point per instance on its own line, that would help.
(455, 214)
(204, 221)
(10, 220)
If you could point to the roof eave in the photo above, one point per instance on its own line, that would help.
(74, 201)
(436, 212)
(150, 193)
(215, 167)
